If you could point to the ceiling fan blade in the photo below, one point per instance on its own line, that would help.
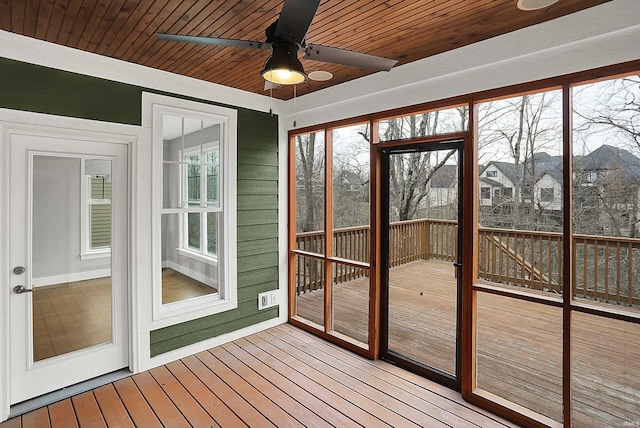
(346, 57)
(214, 41)
(295, 19)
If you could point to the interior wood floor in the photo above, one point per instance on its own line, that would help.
(177, 287)
(281, 377)
(519, 344)
(72, 316)
(77, 315)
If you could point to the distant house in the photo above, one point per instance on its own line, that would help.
(606, 189)
(497, 182)
(443, 190)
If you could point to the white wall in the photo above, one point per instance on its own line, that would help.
(599, 36)
(56, 223)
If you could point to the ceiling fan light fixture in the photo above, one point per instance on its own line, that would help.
(283, 67)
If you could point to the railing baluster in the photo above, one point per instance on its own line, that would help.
(595, 270)
(525, 259)
(618, 282)
(630, 275)
(606, 271)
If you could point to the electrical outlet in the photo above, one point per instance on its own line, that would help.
(268, 299)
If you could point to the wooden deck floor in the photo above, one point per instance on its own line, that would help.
(281, 377)
(519, 344)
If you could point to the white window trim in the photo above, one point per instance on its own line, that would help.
(86, 253)
(226, 298)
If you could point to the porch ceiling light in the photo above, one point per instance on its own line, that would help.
(534, 4)
(283, 67)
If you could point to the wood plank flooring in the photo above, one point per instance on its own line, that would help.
(72, 316)
(281, 377)
(519, 344)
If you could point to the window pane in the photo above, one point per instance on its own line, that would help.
(193, 230)
(213, 198)
(310, 192)
(212, 157)
(193, 184)
(425, 124)
(212, 233)
(350, 309)
(184, 275)
(519, 353)
(171, 185)
(520, 202)
(99, 189)
(99, 206)
(100, 226)
(604, 372)
(351, 192)
(172, 138)
(310, 289)
(606, 178)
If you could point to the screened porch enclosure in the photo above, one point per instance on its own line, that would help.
(518, 342)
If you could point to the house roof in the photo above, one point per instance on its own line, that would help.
(444, 177)
(404, 30)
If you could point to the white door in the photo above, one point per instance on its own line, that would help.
(68, 240)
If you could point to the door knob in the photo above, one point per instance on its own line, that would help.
(18, 270)
(19, 289)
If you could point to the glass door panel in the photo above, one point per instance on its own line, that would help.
(71, 257)
(421, 290)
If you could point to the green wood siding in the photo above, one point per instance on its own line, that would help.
(34, 88)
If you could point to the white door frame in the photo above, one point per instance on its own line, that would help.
(18, 122)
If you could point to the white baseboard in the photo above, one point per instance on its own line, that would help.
(70, 277)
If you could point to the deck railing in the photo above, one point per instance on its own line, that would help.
(606, 269)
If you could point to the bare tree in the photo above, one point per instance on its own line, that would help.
(309, 183)
(607, 126)
(613, 105)
(411, 173)
(518, 130)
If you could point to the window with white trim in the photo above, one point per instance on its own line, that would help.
(96, 208)
(194, 156)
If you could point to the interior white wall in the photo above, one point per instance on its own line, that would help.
(599, 36)
(57, 224)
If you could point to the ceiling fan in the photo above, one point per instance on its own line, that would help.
(286, 37)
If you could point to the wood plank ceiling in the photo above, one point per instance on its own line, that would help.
(405, 30)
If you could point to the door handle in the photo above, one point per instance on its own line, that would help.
(456, 264)
(19, 289)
